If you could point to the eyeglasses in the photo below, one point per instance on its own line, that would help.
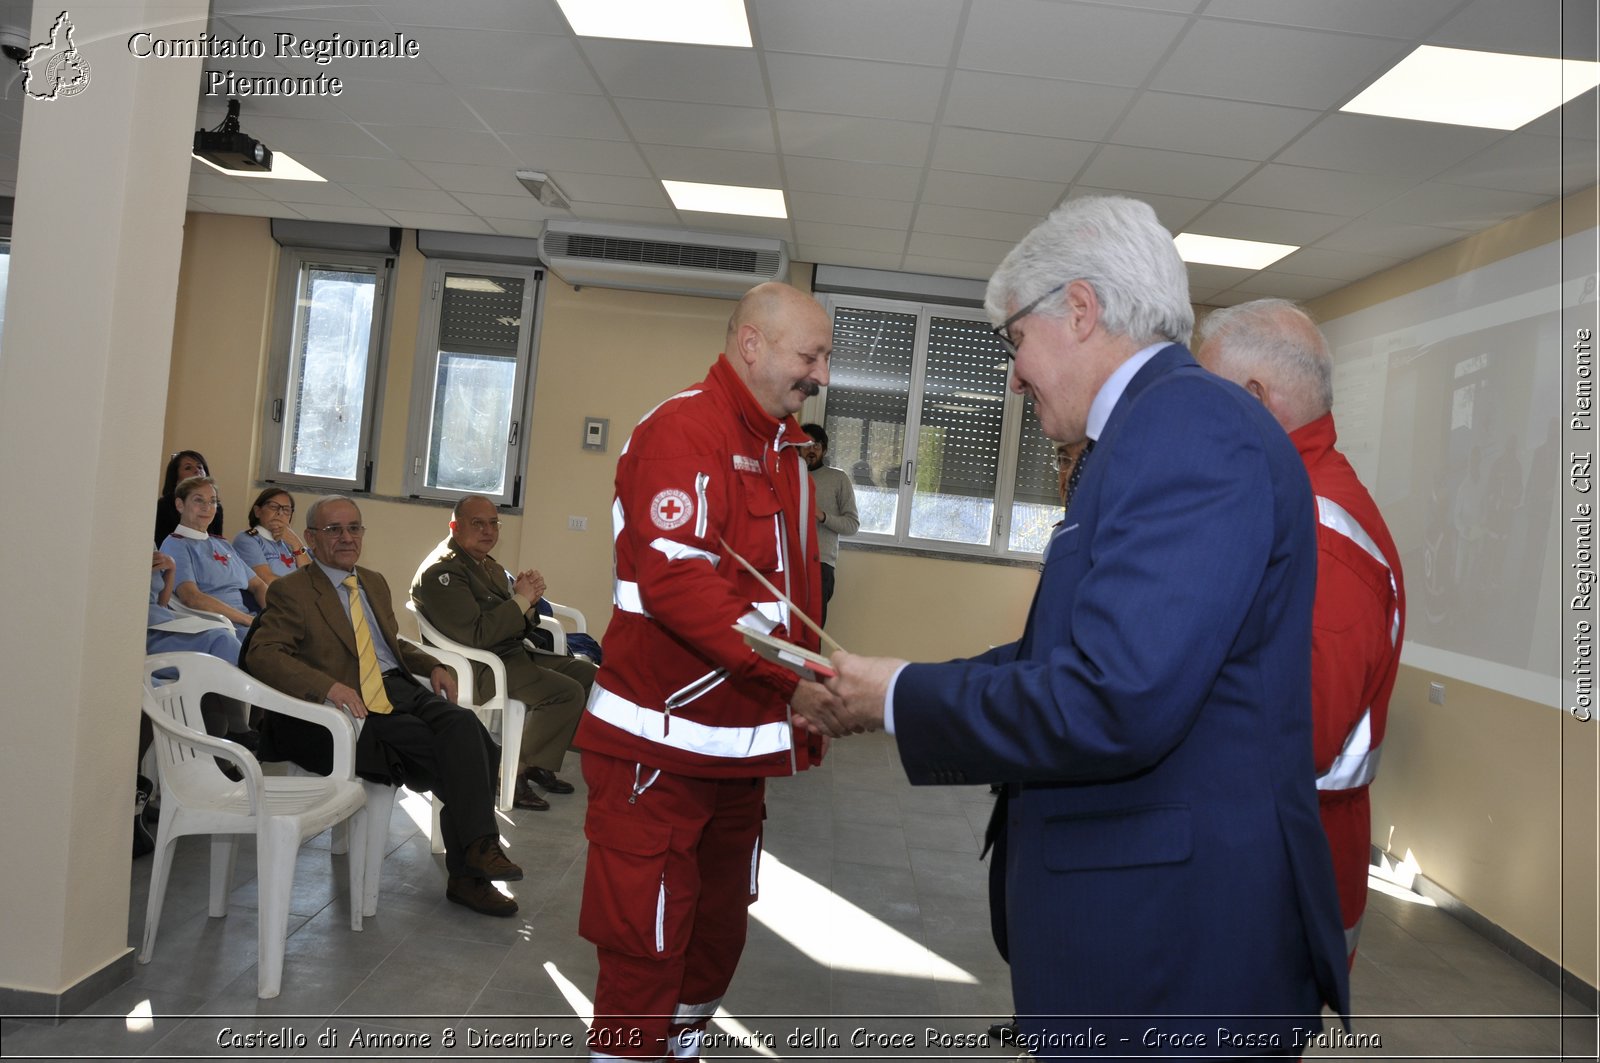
(278, 507)
(484, 525)
(203, 501)
(334, 531)
(1003, 330)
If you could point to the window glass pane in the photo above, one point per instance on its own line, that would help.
(480, 327)
(328, 374)
(870, 378)
(1036, 502)
(958, 441)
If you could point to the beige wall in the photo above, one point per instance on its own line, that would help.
(1491, 795)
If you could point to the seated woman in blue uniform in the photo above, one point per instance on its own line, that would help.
(209, 575)
(181, 466)
(269, 546)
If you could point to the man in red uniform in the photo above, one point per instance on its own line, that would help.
(1273, 350)
(685, 721)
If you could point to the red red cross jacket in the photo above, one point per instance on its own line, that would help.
(679, 689)
(1358, 623)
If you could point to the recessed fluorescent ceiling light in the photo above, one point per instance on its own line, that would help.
(1222, 251)
(1491, 90)
(727, 199)
(283, 169)
(680, 22)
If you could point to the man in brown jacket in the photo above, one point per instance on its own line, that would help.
(329, 634)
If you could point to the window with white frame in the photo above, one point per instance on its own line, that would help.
(328, 333)
(5, 281)
(475, 354)
(942, 454)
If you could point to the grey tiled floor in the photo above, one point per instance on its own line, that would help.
(873, 905)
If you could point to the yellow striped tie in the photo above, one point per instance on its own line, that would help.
(371, 677)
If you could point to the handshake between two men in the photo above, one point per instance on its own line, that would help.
(852, 701)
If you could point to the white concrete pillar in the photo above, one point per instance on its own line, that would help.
(96, 243)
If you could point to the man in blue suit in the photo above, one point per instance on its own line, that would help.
(1161, 881)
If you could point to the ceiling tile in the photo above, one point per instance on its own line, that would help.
(1578, 120)
(325, 194)
(1299, 187)
(1085, 42)
(416, 143)
(902, 31)
(698, 124)
(388, 198)
(952, 189)
(521, 206)
(1527, 27)
(559, 155)
(524, 227)
(674, 162)
(1071, 110)
(1333, 265)
(840, 176)
(602, 188)
(335, 12)
(940, 245)
(256, 208)
(980, 151)
(346, 170)
(854, 139)
(1397, 241)
(1241, 222)
(854, 87)
(1206, 126)
(1366, 143)
(408, 103)
(299, 137)
(486, 180)
(1271, 284)
(1456, 206)
(965, 221)
(204, 181)
(545, 114)
(850, 210)
(843, 256)
(777, 228)
(266, 27)
(362, 215)
(534, 16)
(1164, 172)
(686, 73)
(623, 213)
(497, 59)
(1383, 18)
(852, 237)
(1270, 64)
(1218, 278)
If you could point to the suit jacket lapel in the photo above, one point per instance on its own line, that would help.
(378, 594)
(332, 608)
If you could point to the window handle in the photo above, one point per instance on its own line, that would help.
(277, 411)
(516, 430)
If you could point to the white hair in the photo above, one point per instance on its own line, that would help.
(314, 511)
(1116, 245)
(1273, 338)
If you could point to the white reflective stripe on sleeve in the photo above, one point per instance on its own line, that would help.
(679, 551)
(1333, 516)
(775, 612)
(1357, 763)
(685, 1044)
(680, 395)
(619, 520)
(777, 541)
(691, 736)
(701, 480)
(710, 681)
(661, 914)
(625, 596)
(755, 864)
(684, 1014)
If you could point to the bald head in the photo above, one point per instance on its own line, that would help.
(1271, 348)
(778, 341)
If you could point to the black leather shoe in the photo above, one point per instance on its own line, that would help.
(479, 895)
(546, 778)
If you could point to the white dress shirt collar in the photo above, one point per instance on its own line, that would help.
(1105, 400)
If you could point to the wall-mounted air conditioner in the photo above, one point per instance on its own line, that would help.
(648, 259)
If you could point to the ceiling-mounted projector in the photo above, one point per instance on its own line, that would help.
(226, 146)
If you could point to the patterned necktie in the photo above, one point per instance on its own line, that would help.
(371, 677)
(1077, 472)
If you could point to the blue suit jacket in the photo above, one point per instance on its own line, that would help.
(1159, 842)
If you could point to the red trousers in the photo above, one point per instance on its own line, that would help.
(671, 874)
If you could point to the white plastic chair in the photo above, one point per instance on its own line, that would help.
(510, 710)
(558, 633)
(282, 812)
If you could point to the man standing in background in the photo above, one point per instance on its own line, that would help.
(1271, 348)
(836, 507)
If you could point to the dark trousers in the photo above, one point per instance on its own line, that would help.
(827, 592)
(429, 744)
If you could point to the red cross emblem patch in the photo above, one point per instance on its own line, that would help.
(671, 509)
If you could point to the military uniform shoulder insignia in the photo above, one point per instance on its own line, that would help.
(444, 579)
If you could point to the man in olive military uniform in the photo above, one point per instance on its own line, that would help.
(471, 598)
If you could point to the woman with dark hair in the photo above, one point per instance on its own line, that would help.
(269, 546)
(181, 466)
